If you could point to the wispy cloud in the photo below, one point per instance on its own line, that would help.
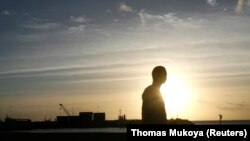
(205, 102)
(28, 72)
(80, 19)
(125, 8)
(5, 12)
(230, 106)
(66, 70)
(79, 24)
(212, 2)
(77, 74)
(33, 37)
(76, 28)
(116, 20)
(239, 6)
(142, 18)
(107, 79)
(109, 11)
(169, 19)
(220, 76)
(42, 26)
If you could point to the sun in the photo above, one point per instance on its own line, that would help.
(175, 95)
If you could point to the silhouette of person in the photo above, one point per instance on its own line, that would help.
(153, 106)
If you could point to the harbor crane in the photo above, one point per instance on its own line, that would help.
(64, 109)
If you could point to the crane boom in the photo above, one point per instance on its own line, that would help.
(64, 109)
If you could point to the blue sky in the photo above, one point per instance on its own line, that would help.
(96, 53)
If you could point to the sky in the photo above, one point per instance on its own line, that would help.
(97, 55)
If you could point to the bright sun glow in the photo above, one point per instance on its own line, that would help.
(175, 95)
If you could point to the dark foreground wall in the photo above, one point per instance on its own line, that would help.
(9, 136)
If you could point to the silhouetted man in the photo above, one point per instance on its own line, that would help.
(153, 107)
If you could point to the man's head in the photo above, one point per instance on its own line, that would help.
(159, 74)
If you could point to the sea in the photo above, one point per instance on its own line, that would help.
(224, 122)
(124, 129)
(77, 130)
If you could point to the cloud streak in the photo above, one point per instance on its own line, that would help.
(212, 2)
(169, 19)
(77, 28)
(6, 13)
(67, 70)
(42, 26)
(230, 106)
(142, 17)
(79, 24)
(239, 6)
(80, 19)
(125, 8)
(53, 71)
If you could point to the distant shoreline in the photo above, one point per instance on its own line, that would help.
(62, 136)
(29, 126)
(223, 122)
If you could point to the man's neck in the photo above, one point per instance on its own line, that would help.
(157, 85)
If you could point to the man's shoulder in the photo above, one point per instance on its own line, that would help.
(148, 89)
